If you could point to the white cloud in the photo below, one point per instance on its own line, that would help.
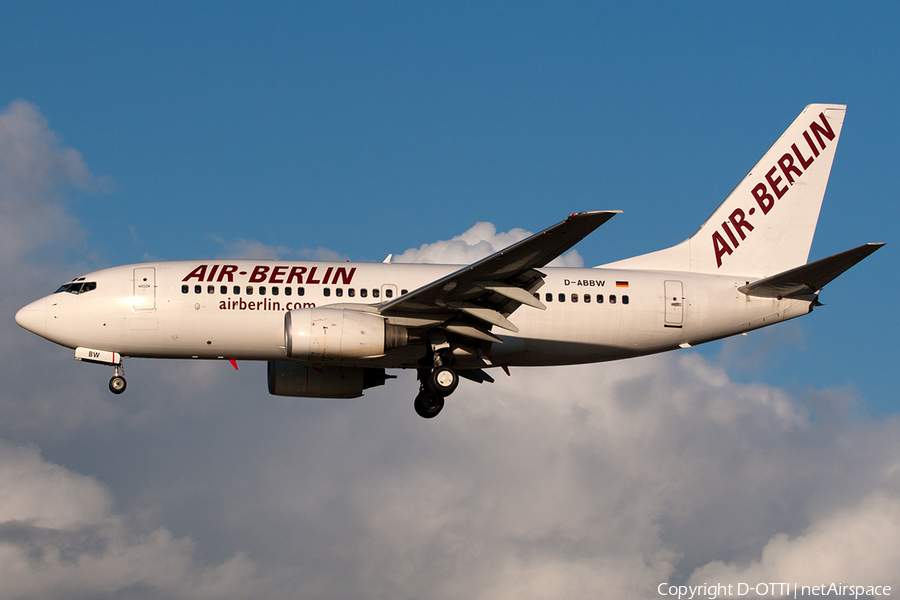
(38, 239)
(591, 481)
(477, 242)
(251, 249)
(59, 538)
(35, 171)
(44, 494)
(254, 250)
(602, 480)
(855, 546)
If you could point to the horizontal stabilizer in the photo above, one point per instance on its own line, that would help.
(810, 278)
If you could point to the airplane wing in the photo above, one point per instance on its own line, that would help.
(471, 300)
(810, 278)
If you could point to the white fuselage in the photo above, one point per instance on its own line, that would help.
(235, 310)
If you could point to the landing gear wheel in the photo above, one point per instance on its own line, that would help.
(443, 381)
(117, 384)
(428, 405)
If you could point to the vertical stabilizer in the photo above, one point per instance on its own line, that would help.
(766, 224)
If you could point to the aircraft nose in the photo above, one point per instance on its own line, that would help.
(34, 317)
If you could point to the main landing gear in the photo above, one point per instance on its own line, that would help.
(117, 383)
(434, 386)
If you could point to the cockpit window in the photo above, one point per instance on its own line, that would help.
(77, 287)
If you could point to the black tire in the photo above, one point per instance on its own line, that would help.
(428, 405)
(443, 381)
(117, 384)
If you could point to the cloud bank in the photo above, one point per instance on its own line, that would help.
(479, 241)
(578, 482)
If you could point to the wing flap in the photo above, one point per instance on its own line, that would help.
(476, 375)
(470, 331)
(810, 278)
(513, 293)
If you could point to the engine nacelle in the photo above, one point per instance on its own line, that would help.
(328, 334)
(295, 379)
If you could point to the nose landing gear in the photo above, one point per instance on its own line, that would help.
(117, 383)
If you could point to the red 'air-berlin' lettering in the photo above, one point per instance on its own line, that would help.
(763, 198)
(721, 247)
(199, 273)
(260, 272)
(773, 187)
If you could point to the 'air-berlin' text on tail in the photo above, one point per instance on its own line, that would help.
(766, 224)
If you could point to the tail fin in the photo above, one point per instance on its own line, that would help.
(766, 224)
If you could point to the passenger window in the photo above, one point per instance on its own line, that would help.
(574, 297)
(562, 297)
(274, 290)
(351, 292)
(326, 292)
(262, 290)
(301, 291)
(184, 289)
(599, 298)
(223, 290)
(197, 289)
(389, 293)
(587, 298)
(612, 298)
(624, 299)
(339, 292)
(363, 292)
(537, 296)
(237, 290)
(288, 291)
(404, 292)
(375, 293)
(210, 289)
(249, 290)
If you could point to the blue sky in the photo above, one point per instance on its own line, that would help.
(366, 129)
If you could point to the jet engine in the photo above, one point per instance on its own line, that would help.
(296, 379)
(334, 334)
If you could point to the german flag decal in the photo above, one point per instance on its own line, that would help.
(621, 284)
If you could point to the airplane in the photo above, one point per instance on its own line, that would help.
(333, 329)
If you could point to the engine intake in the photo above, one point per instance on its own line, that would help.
(329, 334)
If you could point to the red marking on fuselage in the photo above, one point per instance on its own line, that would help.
(273, 275)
